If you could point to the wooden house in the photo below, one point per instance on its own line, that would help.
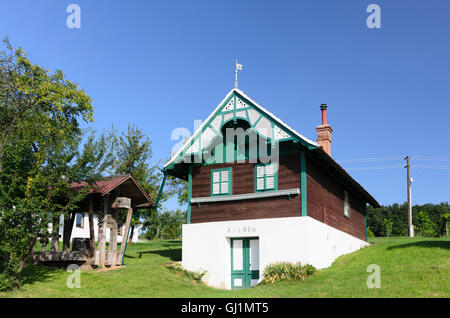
(259, 192)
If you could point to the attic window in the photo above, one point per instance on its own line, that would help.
(346, 205)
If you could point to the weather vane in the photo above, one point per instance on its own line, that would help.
(238, 68)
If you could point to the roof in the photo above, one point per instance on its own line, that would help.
(314, 149)
(129, 188)
(309, 143)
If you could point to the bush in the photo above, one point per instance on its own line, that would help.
(425, 226)
(370, 233)
(9, 277)
(281, 271)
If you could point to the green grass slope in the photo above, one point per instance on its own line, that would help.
(418, 267)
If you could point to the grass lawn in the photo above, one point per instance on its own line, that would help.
(418, 267)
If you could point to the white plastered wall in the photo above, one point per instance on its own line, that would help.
(206, 246)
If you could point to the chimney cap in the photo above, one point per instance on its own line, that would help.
(323, 106)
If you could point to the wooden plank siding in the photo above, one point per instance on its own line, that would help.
(325, 196)
(326, 202)
(243, 182)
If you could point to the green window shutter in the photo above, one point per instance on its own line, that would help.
(215, 182)
(266, 177)
(270, 176)
(260, 178)
(221, 181)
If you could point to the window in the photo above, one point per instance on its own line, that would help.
(79, 221)
(266, 177)
(221, 181)
(346, 205)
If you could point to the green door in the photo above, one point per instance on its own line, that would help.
(244, 262)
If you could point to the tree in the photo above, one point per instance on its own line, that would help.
(425, 225)
(134, 152)
(88, 165)
(39, 155)
(398, 213)
(165, 225)
(179, 187)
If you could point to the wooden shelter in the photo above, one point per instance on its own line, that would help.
(109, 197)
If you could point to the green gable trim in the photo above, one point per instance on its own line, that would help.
(303, 181)
(212, 160)
(161, 188)
(188, 216)
(219, 112)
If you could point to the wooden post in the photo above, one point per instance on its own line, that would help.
(102, 232)
(113, 239)
(130, 237)
(68, 227)
(91, 228)
(125, 235)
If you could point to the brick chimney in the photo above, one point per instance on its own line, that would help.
(324, 131)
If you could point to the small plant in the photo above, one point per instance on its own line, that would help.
(387, 224)
(197, 277)
(281, 271)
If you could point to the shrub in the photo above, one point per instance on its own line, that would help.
(9, 277)
(281, 271)
(387, 225)
(425, 225)
(370, 233)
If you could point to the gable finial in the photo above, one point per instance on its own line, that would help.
(238, 67)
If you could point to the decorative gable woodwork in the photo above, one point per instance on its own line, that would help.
(236, 106)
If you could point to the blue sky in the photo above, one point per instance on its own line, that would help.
(163, 64)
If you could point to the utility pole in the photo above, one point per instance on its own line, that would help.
(408, 188)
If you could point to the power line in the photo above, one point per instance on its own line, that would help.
(371, 159)
(375, 167)
(430, 167)
(430, 158)
(393, 158)
(419, 166)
